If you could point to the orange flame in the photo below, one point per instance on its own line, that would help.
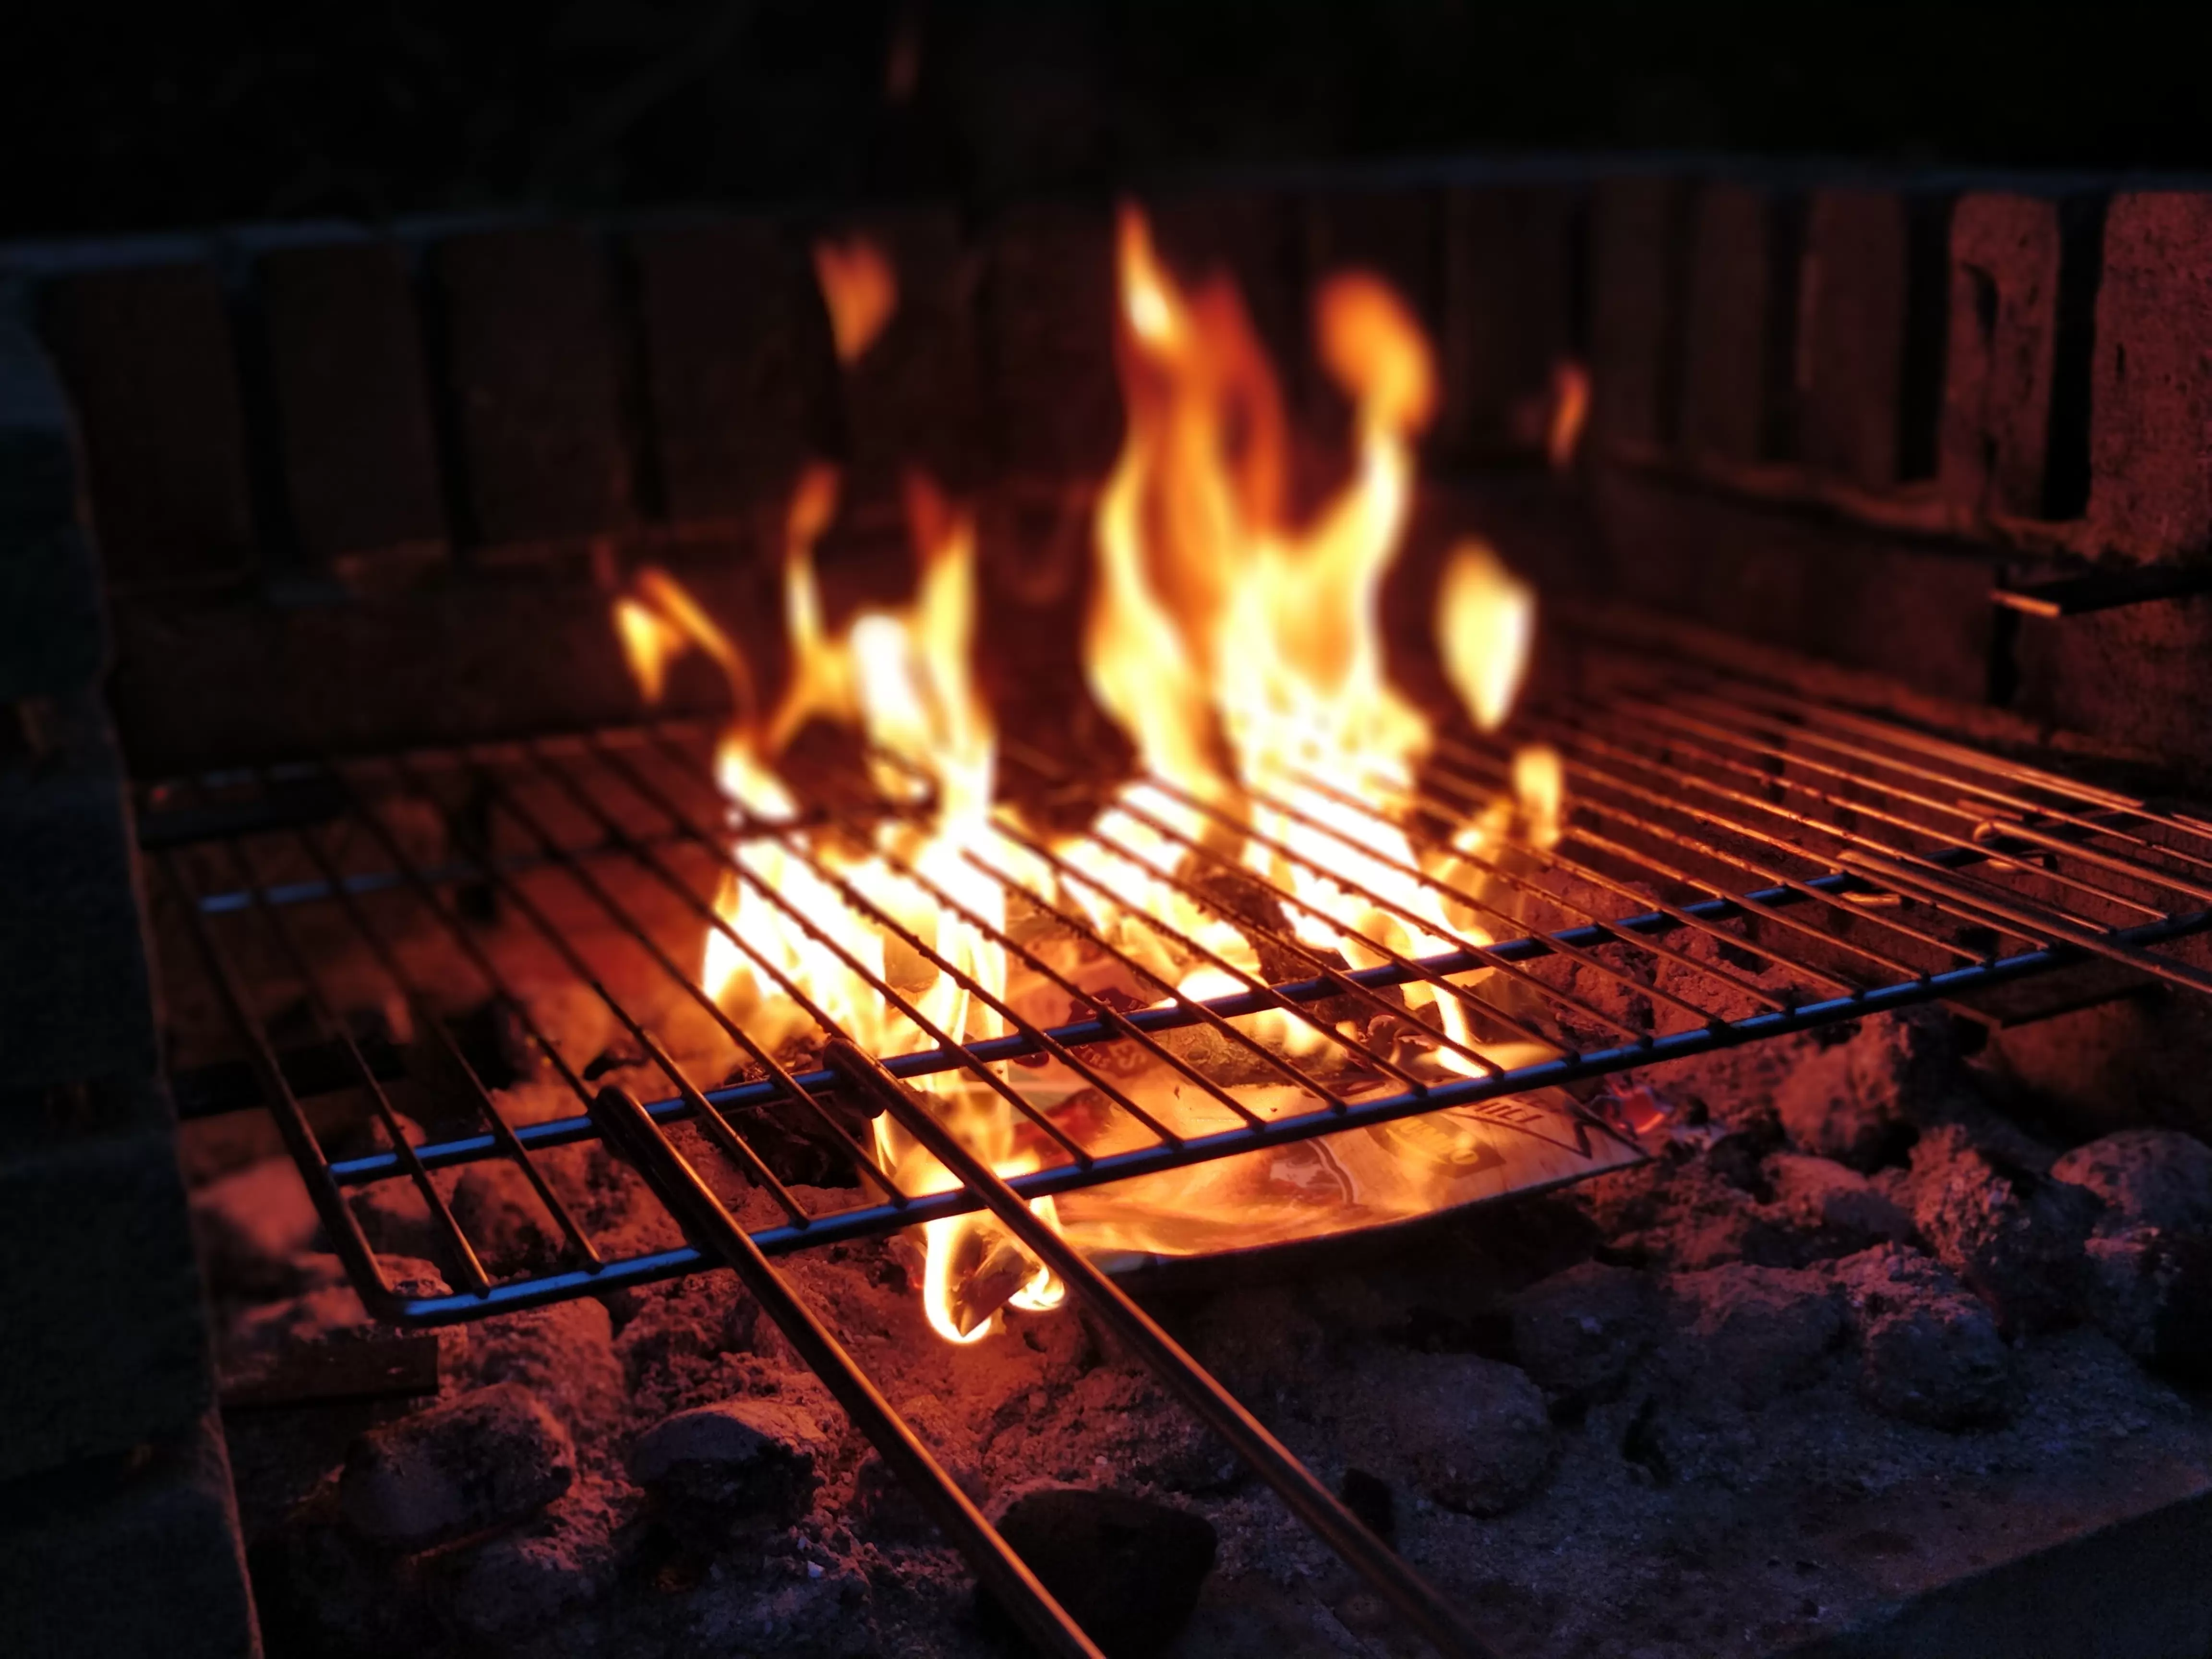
(1242, 653)
(861, 290)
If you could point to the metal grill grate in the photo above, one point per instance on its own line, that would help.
(1738, 862)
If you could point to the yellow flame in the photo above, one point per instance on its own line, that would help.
(1485, 621)
(1242, 651)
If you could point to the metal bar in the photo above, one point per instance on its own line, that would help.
(426, 1016)
(878, 1221)
(710, 1118)
(462, 1253)
(1667, 717)
(1428, 1611)
(863, 1163)
(1762, 903)
(694, 1204)
(2002, 826)
(1586, 740)
(1415, 838)
(1201, 1014)
(567, 1131)
(338, 1220)
(1550, 993)
(2022, 914)
(881, 987)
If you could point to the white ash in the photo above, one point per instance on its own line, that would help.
(1738, 1359)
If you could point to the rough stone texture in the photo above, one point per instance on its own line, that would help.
(504, 1219)
(531, 354)
(1852, 361)
(1053, 403)
(1578, 1332)
(1750, 1334)
(1126, 1570)
(120, 1556)
(2014, 1238)
(1835, 1203)
(740, 373)
(565, 1559)
(53, 634)
(107, 1344)
(1927, 1350)
(1636, 268)
(483, 1460)
(1468, 1433)
(2002, 346)
(1728, 324)
(1855, 1100)
(748, 1461)
(1507, 315)
(2150, 433)
(352, 405)
(2150, 1291)
(253, 1226)
(73, 969)
(147, 354)
(2145, 1177)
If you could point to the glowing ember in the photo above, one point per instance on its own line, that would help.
(1242, 652)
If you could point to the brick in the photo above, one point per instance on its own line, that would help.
(2005, 257)
(128, 1556)
(53, 634)
(1852, 362)
(148, 358)
(534, 369)
(740, 374)
(1729, 313)
(1637, 248)
(106, 1338)
(359, 453)
(2132, 675)
(1052, 406)
(911, 398)
(73, 972)
(1507, 315)
(2150, 442)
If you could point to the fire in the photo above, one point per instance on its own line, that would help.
(1242, 651)
(861, 290)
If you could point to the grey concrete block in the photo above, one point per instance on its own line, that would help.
(739, 370)
(127, 1556)
(106, 1341)
(152, 372)
(73, 973)
(1507, 315)
(533, 357)
(1851, 361)
(352, 401)
(2003, 337)
(1729, 326)
(1638, 241)
(53, 634)
(2150, 433)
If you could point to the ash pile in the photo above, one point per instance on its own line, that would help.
(1852, 1332)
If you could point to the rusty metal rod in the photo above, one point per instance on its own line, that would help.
(1436, 1618)
(624, 1124)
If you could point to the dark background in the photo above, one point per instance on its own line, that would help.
(115, 118)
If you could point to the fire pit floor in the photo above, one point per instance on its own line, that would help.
(1739, 1400)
